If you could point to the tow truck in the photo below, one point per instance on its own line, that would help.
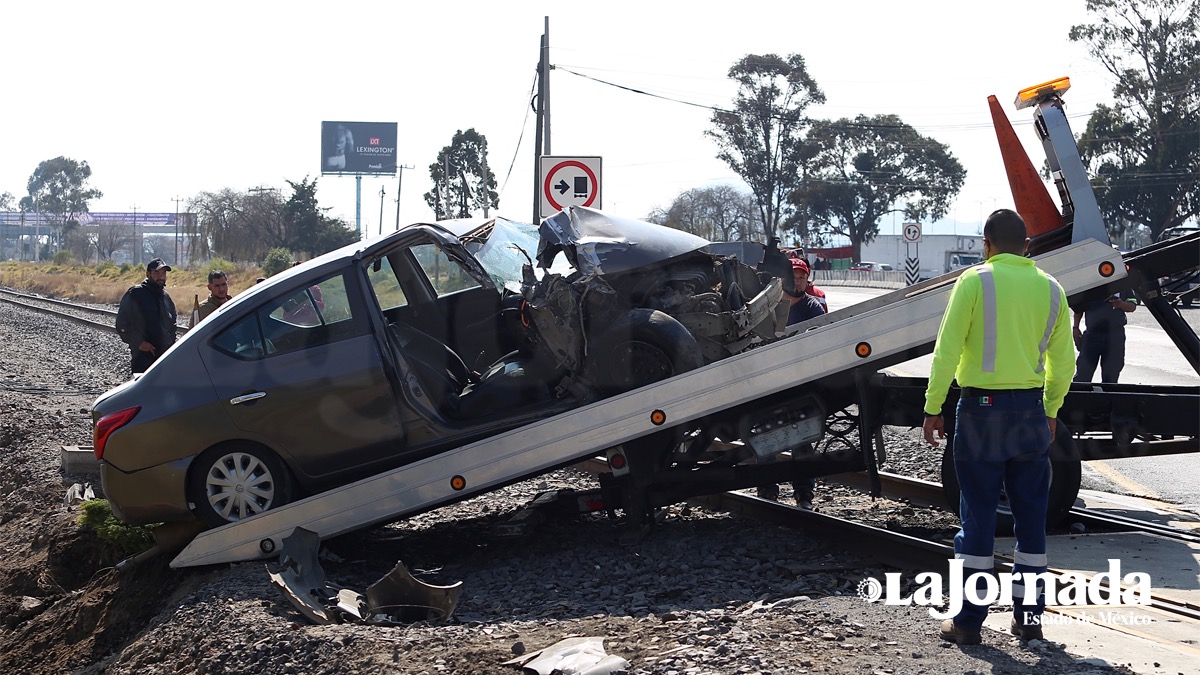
(722, 426)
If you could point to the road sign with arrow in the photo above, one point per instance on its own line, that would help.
(569, 181)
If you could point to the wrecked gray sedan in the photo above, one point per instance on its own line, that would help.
(380, 354)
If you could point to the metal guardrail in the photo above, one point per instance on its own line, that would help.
(894, 279)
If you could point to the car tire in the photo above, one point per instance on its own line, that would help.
(1066, 473)
(641, 347)
(230, 482)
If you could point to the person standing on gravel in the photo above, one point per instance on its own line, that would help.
(218, 294)
(146, 317)
(1006, 339)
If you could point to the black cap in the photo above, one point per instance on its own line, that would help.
(157, 264)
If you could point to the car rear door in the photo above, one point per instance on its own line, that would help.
(302, 373)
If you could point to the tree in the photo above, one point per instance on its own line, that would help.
(717, 213)
(237, 225)
(462, 180)
(309, 229)
(58, 188)
(7, 201)
(112, 236)
(158, 246)
(77, 244)
(1144, 150)
(245, 226)
(761, 138)
(859, 170)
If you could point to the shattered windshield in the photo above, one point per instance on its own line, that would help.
(510, 246)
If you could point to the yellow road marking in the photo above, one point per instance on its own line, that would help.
(1131, 486)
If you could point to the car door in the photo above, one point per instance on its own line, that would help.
(301, 372)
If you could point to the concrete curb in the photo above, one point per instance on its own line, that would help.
(79, 460)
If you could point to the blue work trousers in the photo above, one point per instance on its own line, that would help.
(1002, 440)
(1104, 346)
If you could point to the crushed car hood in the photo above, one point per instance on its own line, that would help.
(597, 243)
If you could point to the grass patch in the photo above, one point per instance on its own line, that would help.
(106, 283)
(97, 516)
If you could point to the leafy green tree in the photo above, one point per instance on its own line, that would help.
(7, 201)
(762, 137)
(858, 171)
(277, 260)
(462, 180)
(717, 213)
(309, 229)
(1144, 150)
(58, 188)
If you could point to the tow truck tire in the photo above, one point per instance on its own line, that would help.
(641, 347)
(1065, 475)
(233, 481)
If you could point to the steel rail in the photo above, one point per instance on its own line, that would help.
(107, 313)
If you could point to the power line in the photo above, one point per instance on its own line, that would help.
(520, 137)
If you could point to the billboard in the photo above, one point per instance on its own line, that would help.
(358, 147)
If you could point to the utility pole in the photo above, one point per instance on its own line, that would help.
(382, 192)
(446, 175)
(176, 199)
(37, 231)
(399, 182)
(137, 238)
(541, 145)
(546, 86)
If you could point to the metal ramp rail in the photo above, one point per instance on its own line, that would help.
(887, 327)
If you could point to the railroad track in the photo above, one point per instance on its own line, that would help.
(927, 493)
(94, 317)
(906, 551)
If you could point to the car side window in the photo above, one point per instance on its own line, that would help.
(303, 318)
(243, 340)
(386, 285)
(445, 275)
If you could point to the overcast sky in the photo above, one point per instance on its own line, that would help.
(166, 100)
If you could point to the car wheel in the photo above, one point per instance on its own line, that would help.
(1066, 473)
(643, 346)
(232, 482)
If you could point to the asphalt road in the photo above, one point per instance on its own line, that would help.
(1150, 358)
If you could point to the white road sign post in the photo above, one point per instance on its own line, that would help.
(912, 263)
(569, 181)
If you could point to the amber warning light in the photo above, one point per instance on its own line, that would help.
(1030, 96)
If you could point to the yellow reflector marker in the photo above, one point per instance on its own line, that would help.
(863, 349)
(1107, 269)
(458, 482)
(1030, 96)
(658, 417)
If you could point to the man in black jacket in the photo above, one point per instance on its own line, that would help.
(146, 317)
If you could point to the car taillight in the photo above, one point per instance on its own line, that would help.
(106, 425)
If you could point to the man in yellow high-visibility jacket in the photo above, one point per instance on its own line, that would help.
(1006, 338)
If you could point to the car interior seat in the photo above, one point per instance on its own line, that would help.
(457, 392)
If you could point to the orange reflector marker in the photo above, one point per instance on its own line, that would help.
(1031, 96)
(458, 482)
(863, 349)
(658, 417)
(1107, 269)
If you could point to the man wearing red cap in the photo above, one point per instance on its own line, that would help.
(805, 305)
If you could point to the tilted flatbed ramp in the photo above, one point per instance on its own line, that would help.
(862, 337)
